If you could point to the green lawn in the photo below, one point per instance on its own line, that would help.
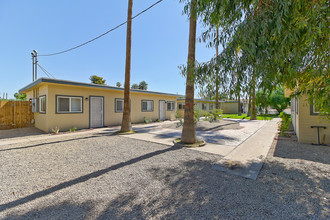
(244, 116)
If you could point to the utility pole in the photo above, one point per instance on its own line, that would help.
(34, 65)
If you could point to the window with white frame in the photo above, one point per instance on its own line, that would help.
(147, 105)
(69, 104)
(181, 106)
(204, 106)
(42, 104)
(170, 106)
(314, 110)
(211, 107)
(119, 105)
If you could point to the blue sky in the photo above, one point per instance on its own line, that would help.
(159, 42)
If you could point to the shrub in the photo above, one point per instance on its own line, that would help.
(214, 115)
(285, 123)
(55, 130)
(73, 129)
(147, 121)
(180, 123)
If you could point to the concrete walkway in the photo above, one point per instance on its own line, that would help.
(247, 159)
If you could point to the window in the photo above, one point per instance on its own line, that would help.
(147, 105)
(314, 110)
(42, 104)
(66, 104)
(170, 106)
(211, 107)
(204, 106)
(181, 106)
(119, 105)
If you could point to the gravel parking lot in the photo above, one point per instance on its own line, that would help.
(114, 177)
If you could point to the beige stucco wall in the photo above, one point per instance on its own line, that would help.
(226, 107)
(66, 121)
(229, 107)
(304, 121)
(198, 105)
(40, 119)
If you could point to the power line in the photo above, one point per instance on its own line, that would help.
(45, 71)
(80, 45)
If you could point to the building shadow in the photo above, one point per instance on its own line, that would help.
(20, 132)
(290, 148)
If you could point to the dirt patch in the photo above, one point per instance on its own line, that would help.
(208, 126)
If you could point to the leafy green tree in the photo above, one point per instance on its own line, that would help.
(97, 79)
(262, 100)
(20, 96)
(143, 85)
(118, 84)
(278, 101)
(135, 86)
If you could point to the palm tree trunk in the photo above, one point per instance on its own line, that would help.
(126, 122)
(217, 76)
(189, 130)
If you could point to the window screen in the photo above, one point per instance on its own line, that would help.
(69, 104)
(170, 106)
(119, 105)
(147, 106)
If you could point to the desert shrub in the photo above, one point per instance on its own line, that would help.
(73, 129)
(213, 115)
(180, 123)
(147, 121)
(55, 130)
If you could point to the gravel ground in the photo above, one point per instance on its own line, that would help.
(20, 132)
(113, 177)
(209, 126)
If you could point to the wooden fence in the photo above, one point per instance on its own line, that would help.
(16, 114)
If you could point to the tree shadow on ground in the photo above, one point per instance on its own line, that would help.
(289, 148)
(83, 178)
(64, 210)
(20, 132)
(196, 191)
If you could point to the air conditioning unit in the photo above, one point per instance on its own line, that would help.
(34, 105)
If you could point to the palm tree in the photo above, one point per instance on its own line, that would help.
(189, 131)
(126, 124)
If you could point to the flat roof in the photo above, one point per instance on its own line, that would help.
(92, 85)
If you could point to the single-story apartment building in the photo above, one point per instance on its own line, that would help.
(306, 120)
(228, 107)
(66, 104)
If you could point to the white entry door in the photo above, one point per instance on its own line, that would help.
(96, 112)
(162, 110)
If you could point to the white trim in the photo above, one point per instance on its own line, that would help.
(70, 98)
(40, 105)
